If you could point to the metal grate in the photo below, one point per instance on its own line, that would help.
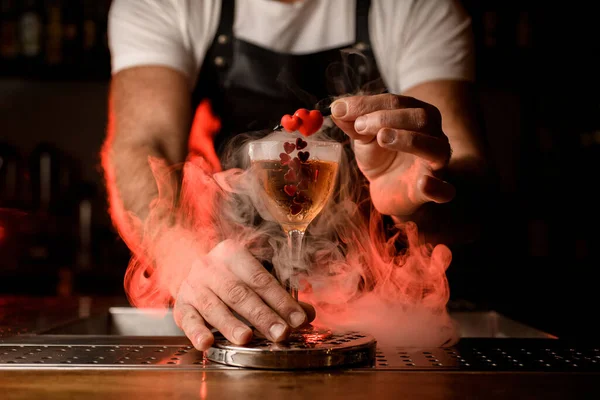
(80, 355)
(467, 355)
(494, 355)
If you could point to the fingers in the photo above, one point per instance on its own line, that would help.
(410, 119)
(361, 117)
(348, 128)
(350, 108)
(230, 284)
(245, 286)
(310, 312)
(216, 313)
(262, 282)
(237, 295)
(432, 149)
(437, 190)
(192, 324)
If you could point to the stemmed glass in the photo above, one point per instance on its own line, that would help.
(297, 178)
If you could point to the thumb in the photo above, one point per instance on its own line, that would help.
(310, 312)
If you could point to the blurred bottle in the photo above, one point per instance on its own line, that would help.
(44, 174)
(53, 177)
(95, 54)
(490, 28)
(11, 177)
(90, 26)
(72, 38)
(30, 35)
(524, 30)
(86, 195)
(13, 218)
(50, 179)
(9, 36)
(54, 33)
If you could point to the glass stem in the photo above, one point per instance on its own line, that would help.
(295, 240)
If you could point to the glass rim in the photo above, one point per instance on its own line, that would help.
(292, 140)
(272, 149)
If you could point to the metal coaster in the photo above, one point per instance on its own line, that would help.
(305, 349)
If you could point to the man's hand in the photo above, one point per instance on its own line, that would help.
(400, 148)
(229, 279)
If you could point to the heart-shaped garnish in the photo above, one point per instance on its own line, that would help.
(300, 144)
(311, 121)
(289, 147)
(294, 164)
(290, 189)
(295, 209)
(303, 155)
(291, 123)
(285, 158)
(290, 176)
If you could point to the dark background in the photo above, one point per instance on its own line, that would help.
(538, 82)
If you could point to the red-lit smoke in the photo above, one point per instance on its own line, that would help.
(361, 276)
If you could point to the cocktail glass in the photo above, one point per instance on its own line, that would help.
(297, 178)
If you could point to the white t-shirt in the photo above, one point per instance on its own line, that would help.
(413, 41)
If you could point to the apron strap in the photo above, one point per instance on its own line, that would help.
(362, 37)
(222, 48)
(226, 18)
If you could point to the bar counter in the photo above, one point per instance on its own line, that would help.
(68, 382)
(264, 385)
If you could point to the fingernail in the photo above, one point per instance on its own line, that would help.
(277, 330)
(200, 340)
(387, 136)
(360, 124)
(240, 332)
(297, 318)
(339, 109)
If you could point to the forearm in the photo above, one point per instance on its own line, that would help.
(149, 123)
(132, 187)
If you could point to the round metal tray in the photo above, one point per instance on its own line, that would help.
(306, 349)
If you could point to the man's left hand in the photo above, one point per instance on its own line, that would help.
(400, 148)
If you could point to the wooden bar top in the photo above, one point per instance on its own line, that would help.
(267, 385)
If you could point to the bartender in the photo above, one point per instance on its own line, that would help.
(249, 62)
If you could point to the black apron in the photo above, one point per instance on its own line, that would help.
(250, 88)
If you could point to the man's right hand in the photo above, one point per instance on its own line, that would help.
(229, 279)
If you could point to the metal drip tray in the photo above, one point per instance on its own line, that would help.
(313, 349)
(127, 338)
(175, 353)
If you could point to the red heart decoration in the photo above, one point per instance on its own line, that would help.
(290, 176)
(289, 147)
(311, 121)
(300, 144)
(295, 209)
(294, 164)
(303, 155)
(290, 189)
(291, 123)
(284, 158)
